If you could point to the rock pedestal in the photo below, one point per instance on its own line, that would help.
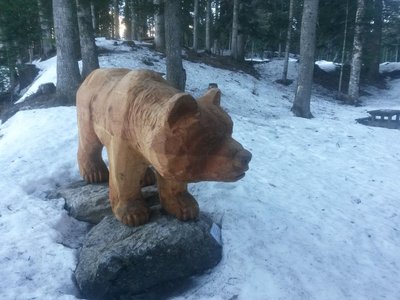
(117, 262)
(120, 262)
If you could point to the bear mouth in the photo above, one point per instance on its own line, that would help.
(239, 176)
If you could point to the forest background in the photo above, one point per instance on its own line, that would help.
(356, 34)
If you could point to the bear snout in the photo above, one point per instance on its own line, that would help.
(242, 159)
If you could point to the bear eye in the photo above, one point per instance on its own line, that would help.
(212, 140)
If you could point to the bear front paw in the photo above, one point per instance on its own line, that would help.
(95, 177)
(133, 215)
(184, 207)
(92, 168)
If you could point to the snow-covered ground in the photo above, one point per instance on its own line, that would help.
(316, 217)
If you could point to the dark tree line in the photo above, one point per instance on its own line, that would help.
(342, 33)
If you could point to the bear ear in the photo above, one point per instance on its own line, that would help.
(181, 105)
(213, 96)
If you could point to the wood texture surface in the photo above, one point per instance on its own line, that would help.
(143, 121)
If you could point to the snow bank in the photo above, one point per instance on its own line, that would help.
(316, 217)
(47, 73)
(37, 150)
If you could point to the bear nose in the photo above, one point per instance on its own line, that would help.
(243, 158)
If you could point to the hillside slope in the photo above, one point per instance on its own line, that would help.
(316, 217)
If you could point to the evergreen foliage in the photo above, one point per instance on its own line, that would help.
(19, 30)
(263, 26)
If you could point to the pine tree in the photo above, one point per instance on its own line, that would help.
(196, 26)
(355, 71)
(103, 18)
(159, 24)
(45, 27)
(288, 40)
(173, 35)
(208, 26)
(116, 19)
(19, 21)
(235, 29)
(90, 60)
(343, 50)
(373, 50)
(301, 104)
(68, 77)
(94, 19)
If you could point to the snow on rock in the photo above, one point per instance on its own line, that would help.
(388, 67)
(327, 66)
(316, 217)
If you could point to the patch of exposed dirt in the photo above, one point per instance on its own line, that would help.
(37, 100)
(222, 62)
(330, 80)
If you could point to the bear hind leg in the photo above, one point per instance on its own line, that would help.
(149, 178)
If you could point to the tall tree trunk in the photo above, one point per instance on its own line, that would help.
(68, 77)
(288, 40)
(159, 39)
(235, 29)
(90, 60)
(343, 49)
(142, 19)
(45, 27)
(93, 14)
(208, 26)
(76, 32)
(173, 35)
(116, 19)
(374, 48)
(134, 21)
(280, 43)
(241, 42)
(301, 104)
(355, 71)
(128, 21)
(196, 26)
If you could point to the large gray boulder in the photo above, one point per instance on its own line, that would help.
(118, 262)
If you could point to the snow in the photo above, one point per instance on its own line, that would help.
(387, 67)
(327, 66)
(47, 73)
(317, 216)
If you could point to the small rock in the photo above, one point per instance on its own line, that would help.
(212, 85)
(129, 43)
(118, 262)
(47, 88)
(147, 62)
(86, 202)
(90, 202)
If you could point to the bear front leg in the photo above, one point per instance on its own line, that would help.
(91, 165)
(176, 200)
(127, 169)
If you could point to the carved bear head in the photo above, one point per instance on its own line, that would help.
(195, 143)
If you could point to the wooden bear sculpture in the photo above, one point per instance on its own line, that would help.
(143, 121)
